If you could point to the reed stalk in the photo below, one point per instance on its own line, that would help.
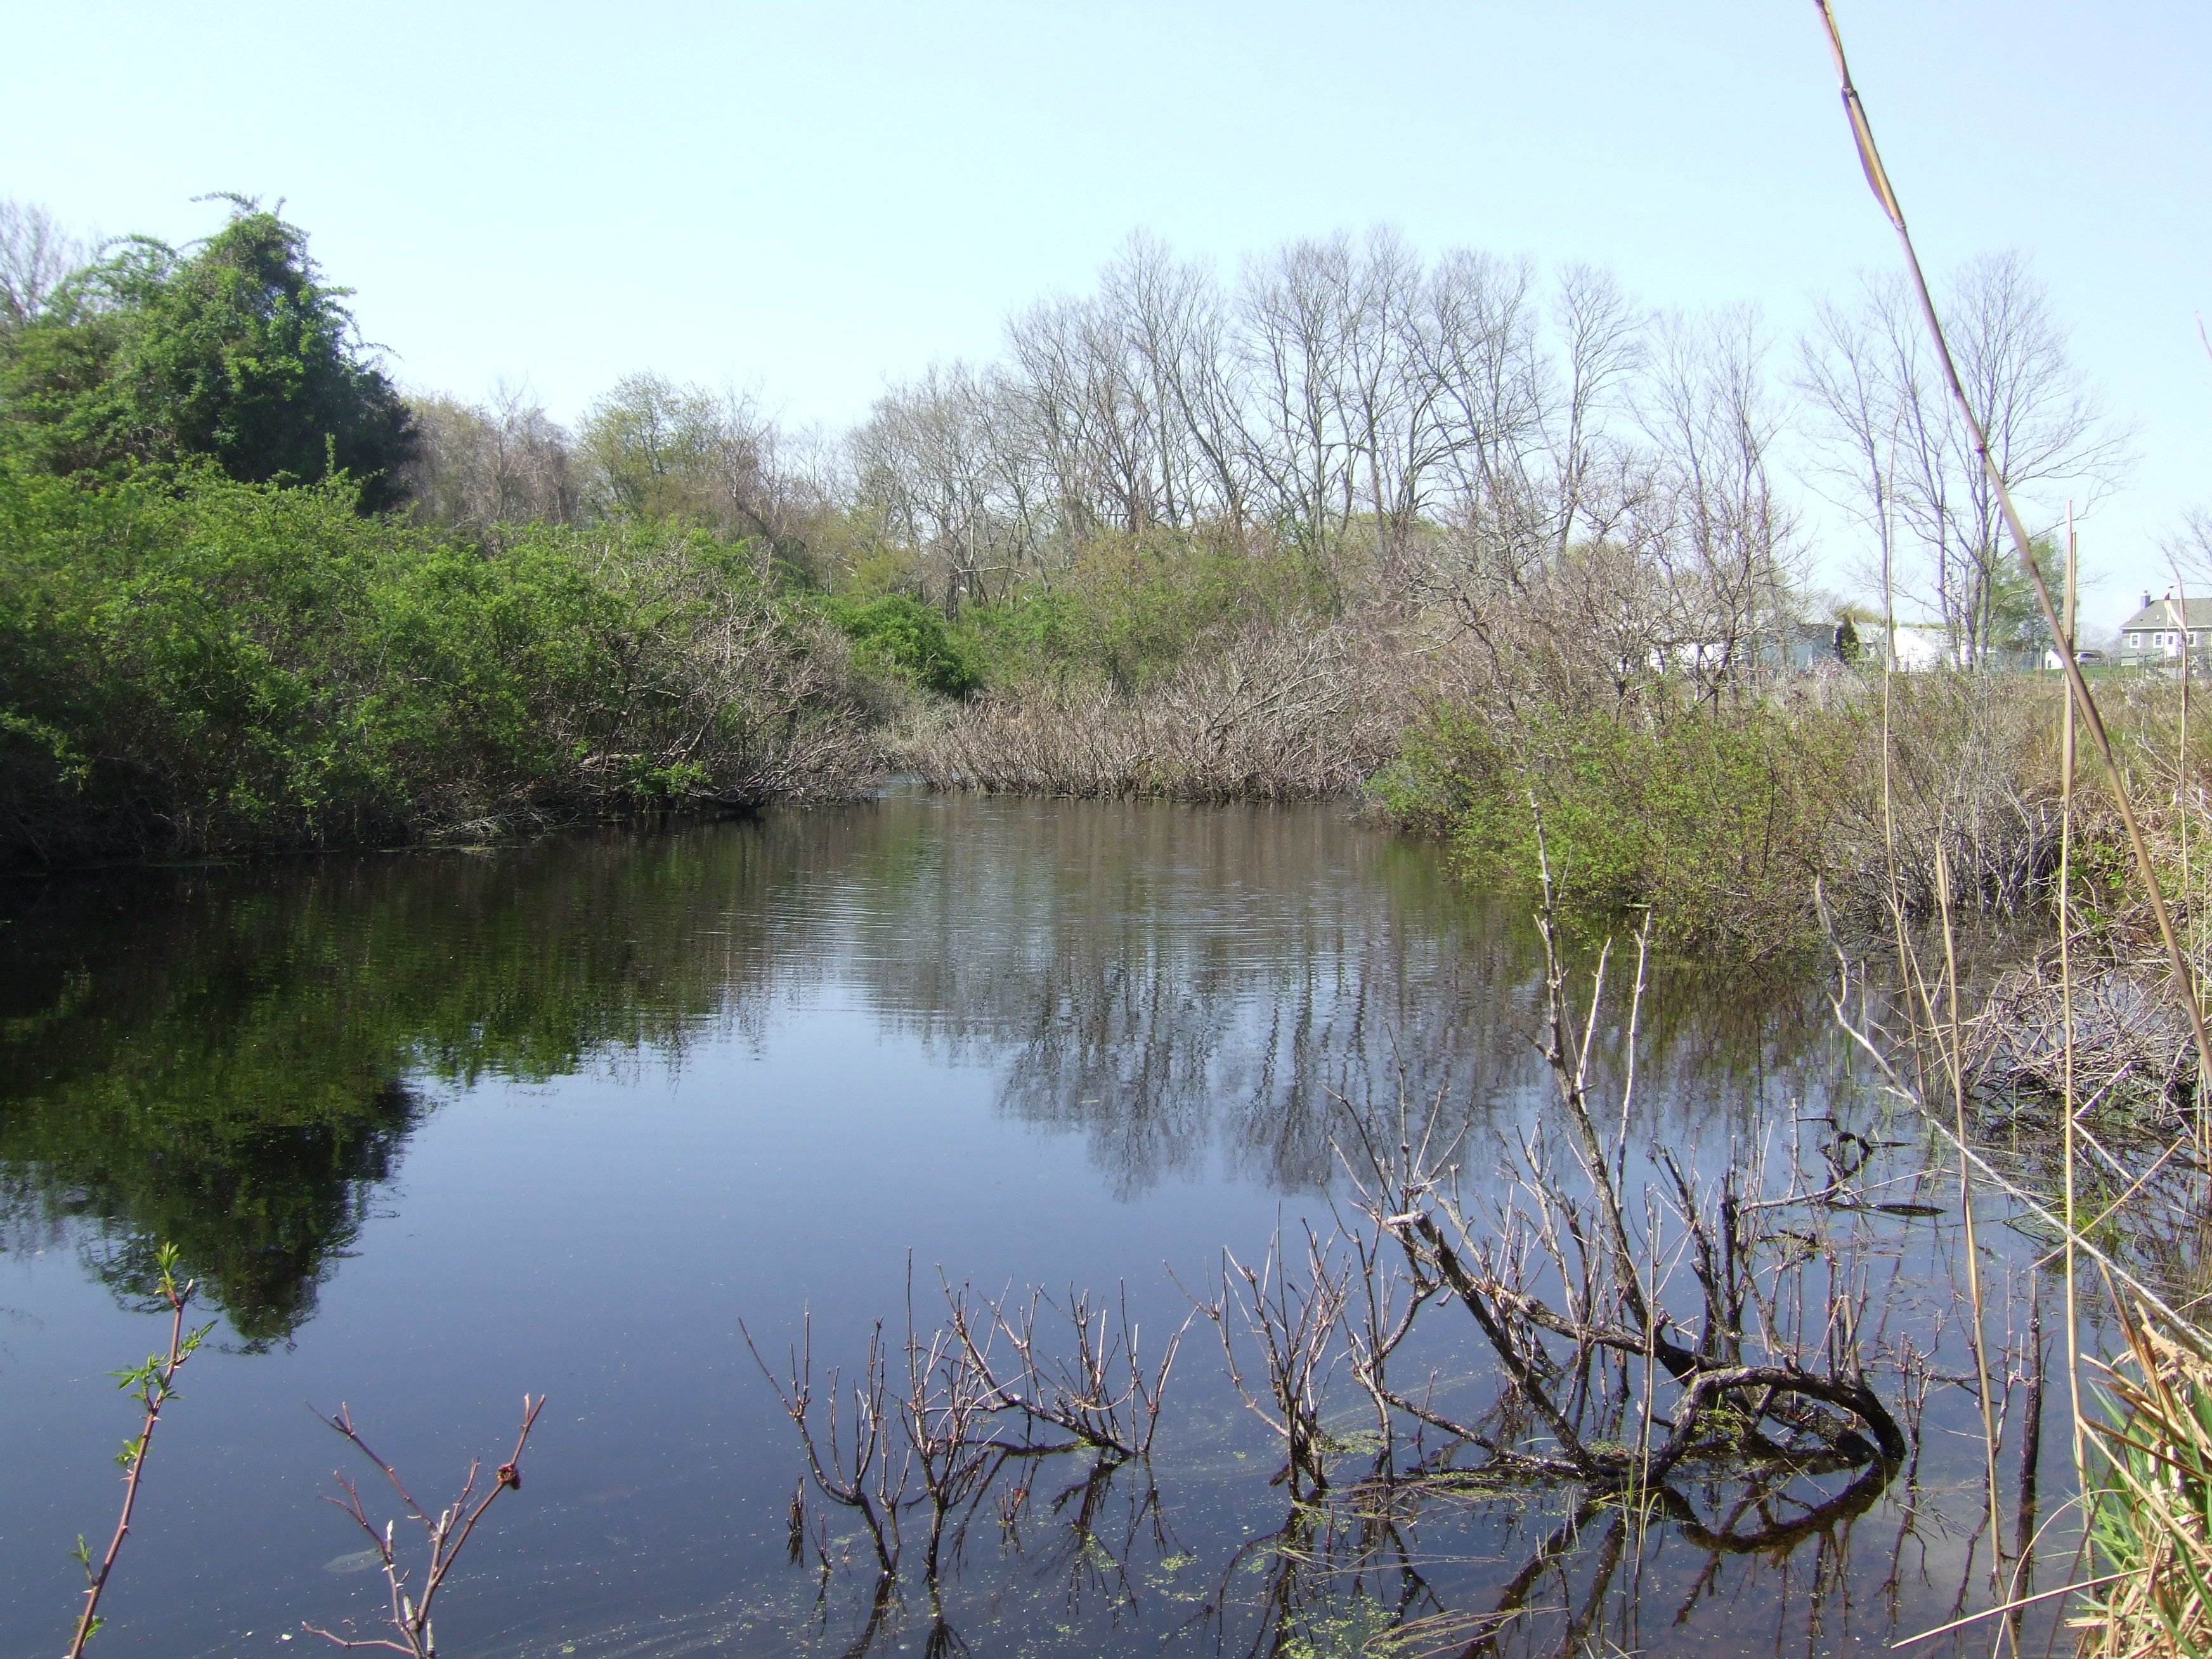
(2066, 1015)
(2151, 1519)
(2078, 687)
(2182, 803)
(2155, 1524)
(1955, 1065)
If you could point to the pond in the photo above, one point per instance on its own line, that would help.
(433, 1130)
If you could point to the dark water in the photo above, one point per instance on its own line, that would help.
(433, 1130)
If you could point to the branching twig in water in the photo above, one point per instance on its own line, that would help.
(153, 1385)
(448, 1532)
(859, 1475)
(1086, 1395)
(1296, 1330)
(1614, 1292)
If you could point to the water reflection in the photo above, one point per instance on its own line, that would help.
(1177, 1005)
(233, 1059)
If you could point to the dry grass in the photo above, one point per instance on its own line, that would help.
(1259, 713)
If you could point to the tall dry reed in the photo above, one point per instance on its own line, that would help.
(2149, 1520)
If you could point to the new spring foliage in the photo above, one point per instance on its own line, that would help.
(189, 662)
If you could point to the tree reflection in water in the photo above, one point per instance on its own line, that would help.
(235, 1059)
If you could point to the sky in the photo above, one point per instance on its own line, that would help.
(817, 199)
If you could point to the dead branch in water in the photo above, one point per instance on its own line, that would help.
(1100, 1392)
(1604, 1382)
(1407, 1186)
(1295, 1327)
(940, 1443)
(861, 1464)
(448, 1533)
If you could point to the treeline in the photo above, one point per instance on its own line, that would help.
(1463, 431)
(196, 664)
(1184, 536)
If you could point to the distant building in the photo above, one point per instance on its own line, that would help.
(1810, 646)
(1917, 647)
(2086, 657)
(2156, 630)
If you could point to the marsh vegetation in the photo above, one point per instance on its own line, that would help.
(1496, 553)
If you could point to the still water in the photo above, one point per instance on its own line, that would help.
(433, 1130)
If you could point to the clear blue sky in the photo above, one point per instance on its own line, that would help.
(817, 196)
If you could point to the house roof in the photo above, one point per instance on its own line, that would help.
(2159, 613)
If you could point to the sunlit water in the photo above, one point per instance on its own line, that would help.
(437, 1129)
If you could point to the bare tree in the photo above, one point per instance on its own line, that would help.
(945, 467)
(1554, 523)
(1602, 338)
(36, 256)
(503, 461)
(1292, 338)
(2045, 426)
(1910, 461)
(2188, 548)
(1727, 545)
(1849, 376)
(1177, 323)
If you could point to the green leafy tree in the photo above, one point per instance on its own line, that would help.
(2016, 614)
(233, 349)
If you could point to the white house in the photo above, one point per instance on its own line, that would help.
(1917, 647)
(2055, 663)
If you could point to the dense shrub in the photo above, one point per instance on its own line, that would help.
(1723, 816)
(1131, 609)
(898, 633)
(189, 663)
(1706, 816)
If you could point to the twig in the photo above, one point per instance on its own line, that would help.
(154, 1386)
(448, 1533)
